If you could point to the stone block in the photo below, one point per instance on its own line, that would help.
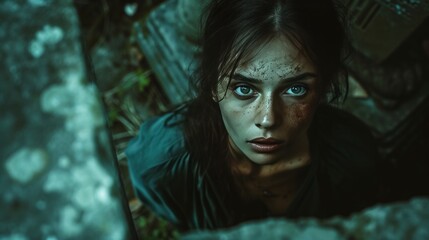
(58, 179)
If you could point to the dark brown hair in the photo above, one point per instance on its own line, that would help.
(233, 29)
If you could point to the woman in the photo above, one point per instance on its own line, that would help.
(259, 140)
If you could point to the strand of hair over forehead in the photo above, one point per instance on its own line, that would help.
(239, 50)
(233, 54)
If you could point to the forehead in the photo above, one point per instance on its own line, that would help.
(279, 57)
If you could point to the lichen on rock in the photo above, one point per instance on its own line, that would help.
(25, 164)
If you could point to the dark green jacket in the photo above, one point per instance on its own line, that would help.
(341, 178)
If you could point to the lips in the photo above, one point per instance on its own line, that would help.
(265, 145)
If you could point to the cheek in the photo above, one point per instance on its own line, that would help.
(300, 114)
(235, 111)
(238, 119)
(231, 115)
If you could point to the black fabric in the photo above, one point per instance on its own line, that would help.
(341, 178)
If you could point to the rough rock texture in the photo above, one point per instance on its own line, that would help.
(397, 221)
(57, 176)
(168, 51)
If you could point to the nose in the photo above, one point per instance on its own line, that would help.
(267, 117)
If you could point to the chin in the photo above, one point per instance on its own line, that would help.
(262, 159)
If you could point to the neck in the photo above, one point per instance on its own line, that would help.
(275, 184)
(289, 166)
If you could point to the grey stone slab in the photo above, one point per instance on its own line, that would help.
(409, 220)
(386, 122)
(171, 56)
(57, 173)
(395, 128)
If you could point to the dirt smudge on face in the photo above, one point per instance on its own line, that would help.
(299, 114)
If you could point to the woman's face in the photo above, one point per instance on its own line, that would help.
(270, 101)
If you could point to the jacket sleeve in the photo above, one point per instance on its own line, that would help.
(157, 162)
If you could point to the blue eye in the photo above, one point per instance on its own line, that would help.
(297, 90)
(244, 91)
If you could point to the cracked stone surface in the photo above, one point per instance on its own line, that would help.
(408, 220)
(57, 175)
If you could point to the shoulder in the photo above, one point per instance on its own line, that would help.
(349, 155)
(335, 120)
(158, 163)
(347, 140)
(159, 140)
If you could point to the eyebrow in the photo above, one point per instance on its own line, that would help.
(297, 78)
